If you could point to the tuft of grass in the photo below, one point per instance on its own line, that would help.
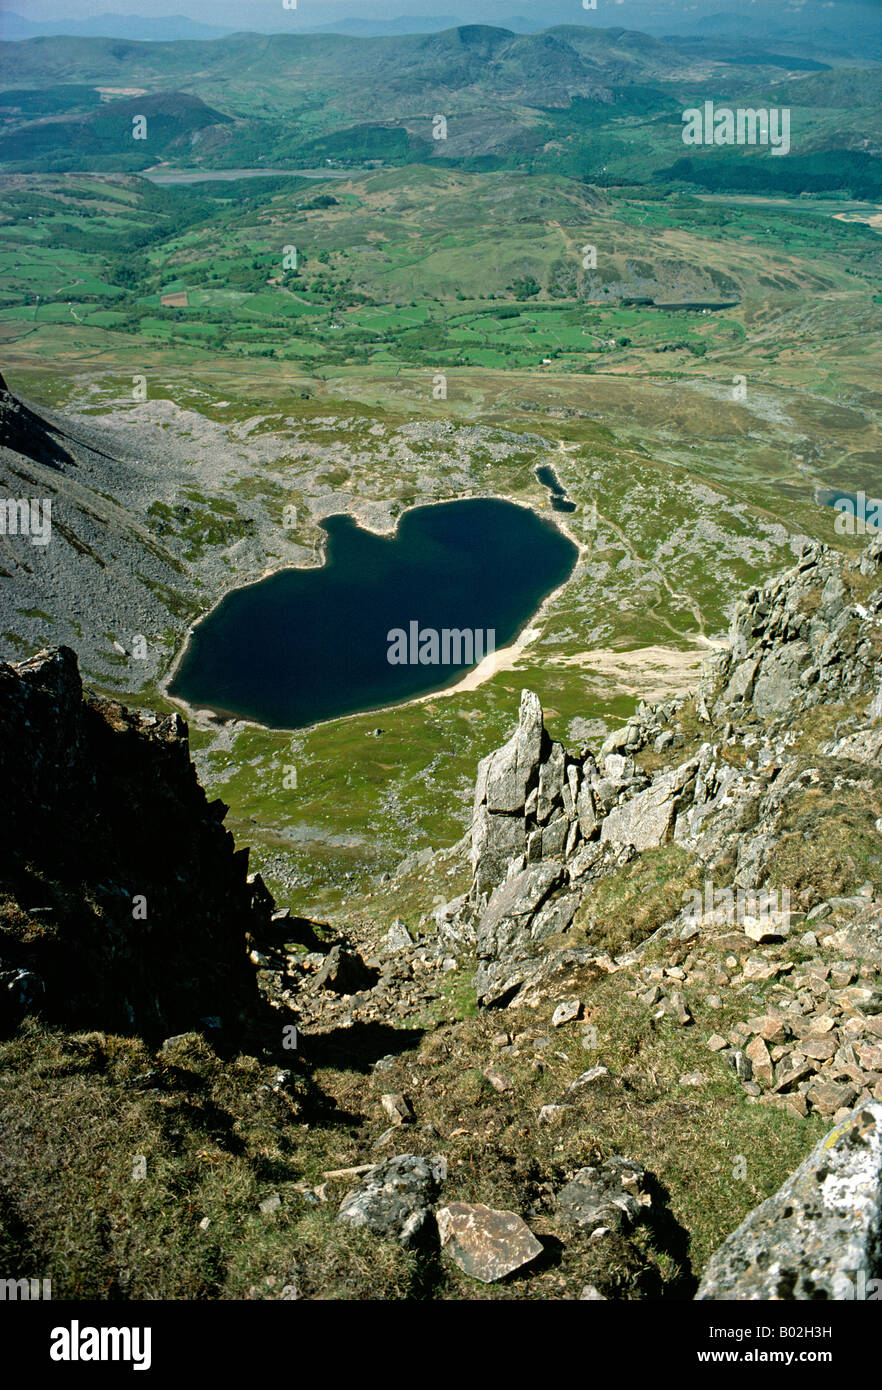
(619, 912)
(829, 845)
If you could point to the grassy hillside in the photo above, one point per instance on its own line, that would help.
(436, 269)
(599, 104)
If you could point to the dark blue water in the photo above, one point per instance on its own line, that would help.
(859, 504)
(560, 502)
(307, 645)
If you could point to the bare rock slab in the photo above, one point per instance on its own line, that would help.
(484, 1243)
(647, 819)
(820, 1235)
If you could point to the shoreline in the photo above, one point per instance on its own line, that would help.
(498, 660)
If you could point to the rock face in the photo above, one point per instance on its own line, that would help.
(536, 842)
(484, 1243)
(510, 771)
(820, 1236)
(798, 640)
(569, 821)
(547, 823)
(126, 903)
(395, 1199)
(648, 818)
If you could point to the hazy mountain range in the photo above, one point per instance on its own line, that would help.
(838, 26)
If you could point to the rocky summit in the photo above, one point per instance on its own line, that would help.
(661, 973)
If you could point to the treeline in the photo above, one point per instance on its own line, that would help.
(826, 171)
(360, 144)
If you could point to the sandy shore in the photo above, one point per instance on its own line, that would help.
(501, 660)
(654, 673)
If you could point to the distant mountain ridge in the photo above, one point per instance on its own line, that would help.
(856, 33)
(592, 53)
(14, 27)
(559, 100)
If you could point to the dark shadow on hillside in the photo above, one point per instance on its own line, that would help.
(671, 1239)
(302, 931)
(356, 1048)
(27, 433)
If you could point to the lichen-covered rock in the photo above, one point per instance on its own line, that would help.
(394, 1200)
(612, 1196)
(820, 1235)
(529, 803)
(505, 930)
(862, 746)
(496, 840)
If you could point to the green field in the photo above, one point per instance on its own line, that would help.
(441, 269)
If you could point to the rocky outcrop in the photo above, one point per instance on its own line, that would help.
(820, 1235)
(539, 835)
(647, 819)
(547, 824)
(344, 972)
(797, 641)
(125, 904)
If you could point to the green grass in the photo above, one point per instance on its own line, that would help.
(411, 281)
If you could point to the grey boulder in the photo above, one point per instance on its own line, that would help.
(394, 1199)
(612, 1196)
